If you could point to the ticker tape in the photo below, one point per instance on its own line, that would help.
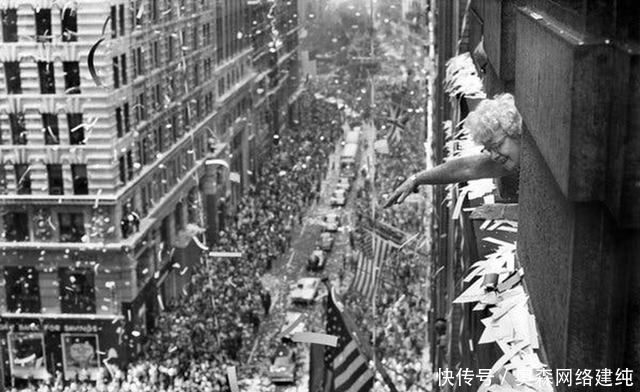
(233, 379)
(317, 338)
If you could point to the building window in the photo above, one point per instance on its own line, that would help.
(196, 75)
(123, 68)
(127, 123)
(155, 54)
(144, 151)
(18, 128)
(80, 181)
(56, 184)
(158, 139)
(139, 61)
(122, 166)
(69, 25)
(186, 121)
(114, 22)
(121, 19)
(195, 37)
(23, 178)
(50, 127)
(3, 179)
(47, 78)
(77, 290)
(76, 128)
(12, 76)
(170, 48)
(141, 109)
(119, 122)
(71, 77)
(129, 165)
(130, 222)
(9, 24)
(16, 226)
(116, 72)
(43, 25)
(22, 289)
(71, 227)
(177, 215)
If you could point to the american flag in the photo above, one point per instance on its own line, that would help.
(351, 372)
(371, 258)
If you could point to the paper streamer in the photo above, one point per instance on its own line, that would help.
(233, 379)
(317, 338)
(199, 243)
(92, 70)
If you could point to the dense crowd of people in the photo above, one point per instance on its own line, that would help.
(400, 320)
(213, 327)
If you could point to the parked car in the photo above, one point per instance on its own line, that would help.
(294, 322)
(305, 290)
(326, 241)
(331, 222)
(343, 183)
(283, 367)
(316, 260)
(339, 198)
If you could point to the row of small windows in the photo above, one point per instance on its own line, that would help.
(55, 179)
(46, 75)
(70, 226)
(76, 289)
(43, 32)
(50, 128)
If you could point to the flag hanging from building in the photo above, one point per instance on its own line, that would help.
(397, 120)
(351, 373)
(373, 253)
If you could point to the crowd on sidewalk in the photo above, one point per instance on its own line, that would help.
(213, 327)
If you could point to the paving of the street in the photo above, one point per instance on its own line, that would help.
(292, 266)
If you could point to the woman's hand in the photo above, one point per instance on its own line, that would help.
(401, 193)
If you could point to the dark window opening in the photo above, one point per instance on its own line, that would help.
(121, 15)
(56, 184)
(43, 25)
(123, 68)
(12, 76)
(127, 124)
(18, 128)
(119, 122)
(47, 78)
(77, 290)
(114, 22)
(71, 77)
(122, 165)
(80, 181)
(50, 128)
(23, 178)
(76, 128)
(22, 289)
(9, 24)
(16, 226)
(71, 227)
(116, 73)
(129, 165)
(69, 25)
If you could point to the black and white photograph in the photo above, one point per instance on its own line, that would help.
(319, 195)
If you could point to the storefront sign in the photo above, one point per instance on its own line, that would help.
(26, 355)
(80, 356)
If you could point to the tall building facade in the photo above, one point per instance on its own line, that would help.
(275, 41)
(572, 67)
(108, 113)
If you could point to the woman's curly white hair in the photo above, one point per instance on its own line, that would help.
(493, 118)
